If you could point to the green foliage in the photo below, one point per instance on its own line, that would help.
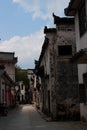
(21, 75)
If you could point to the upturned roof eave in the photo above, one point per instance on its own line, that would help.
(72, 8)
(49, 30)
(62, 20)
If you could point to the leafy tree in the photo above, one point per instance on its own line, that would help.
(21, 75)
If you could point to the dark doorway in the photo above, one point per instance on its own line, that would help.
(49, 102)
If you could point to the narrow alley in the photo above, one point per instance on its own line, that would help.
(27, 118)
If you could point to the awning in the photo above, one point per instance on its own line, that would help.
(80, 57)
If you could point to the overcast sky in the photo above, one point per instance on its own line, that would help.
(21, 26)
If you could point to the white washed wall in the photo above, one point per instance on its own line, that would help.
(81, 43)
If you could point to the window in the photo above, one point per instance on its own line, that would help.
(22, 86)
(65, 50)
(82, 93)
(85, 87)
(3, 94)
(82, 19)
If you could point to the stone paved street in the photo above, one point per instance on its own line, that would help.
(27, 118)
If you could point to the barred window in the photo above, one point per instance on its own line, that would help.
(82, 19)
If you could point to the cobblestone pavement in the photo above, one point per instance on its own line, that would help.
(27, 118)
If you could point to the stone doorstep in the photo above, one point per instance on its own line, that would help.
(45, 117)
(49, 119)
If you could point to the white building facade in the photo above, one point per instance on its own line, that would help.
(58, 87)
(8, 60)
(78, 9)
(22, 92)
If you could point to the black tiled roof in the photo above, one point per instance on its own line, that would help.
(63, 20)
(72, 7)
(49, 30)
